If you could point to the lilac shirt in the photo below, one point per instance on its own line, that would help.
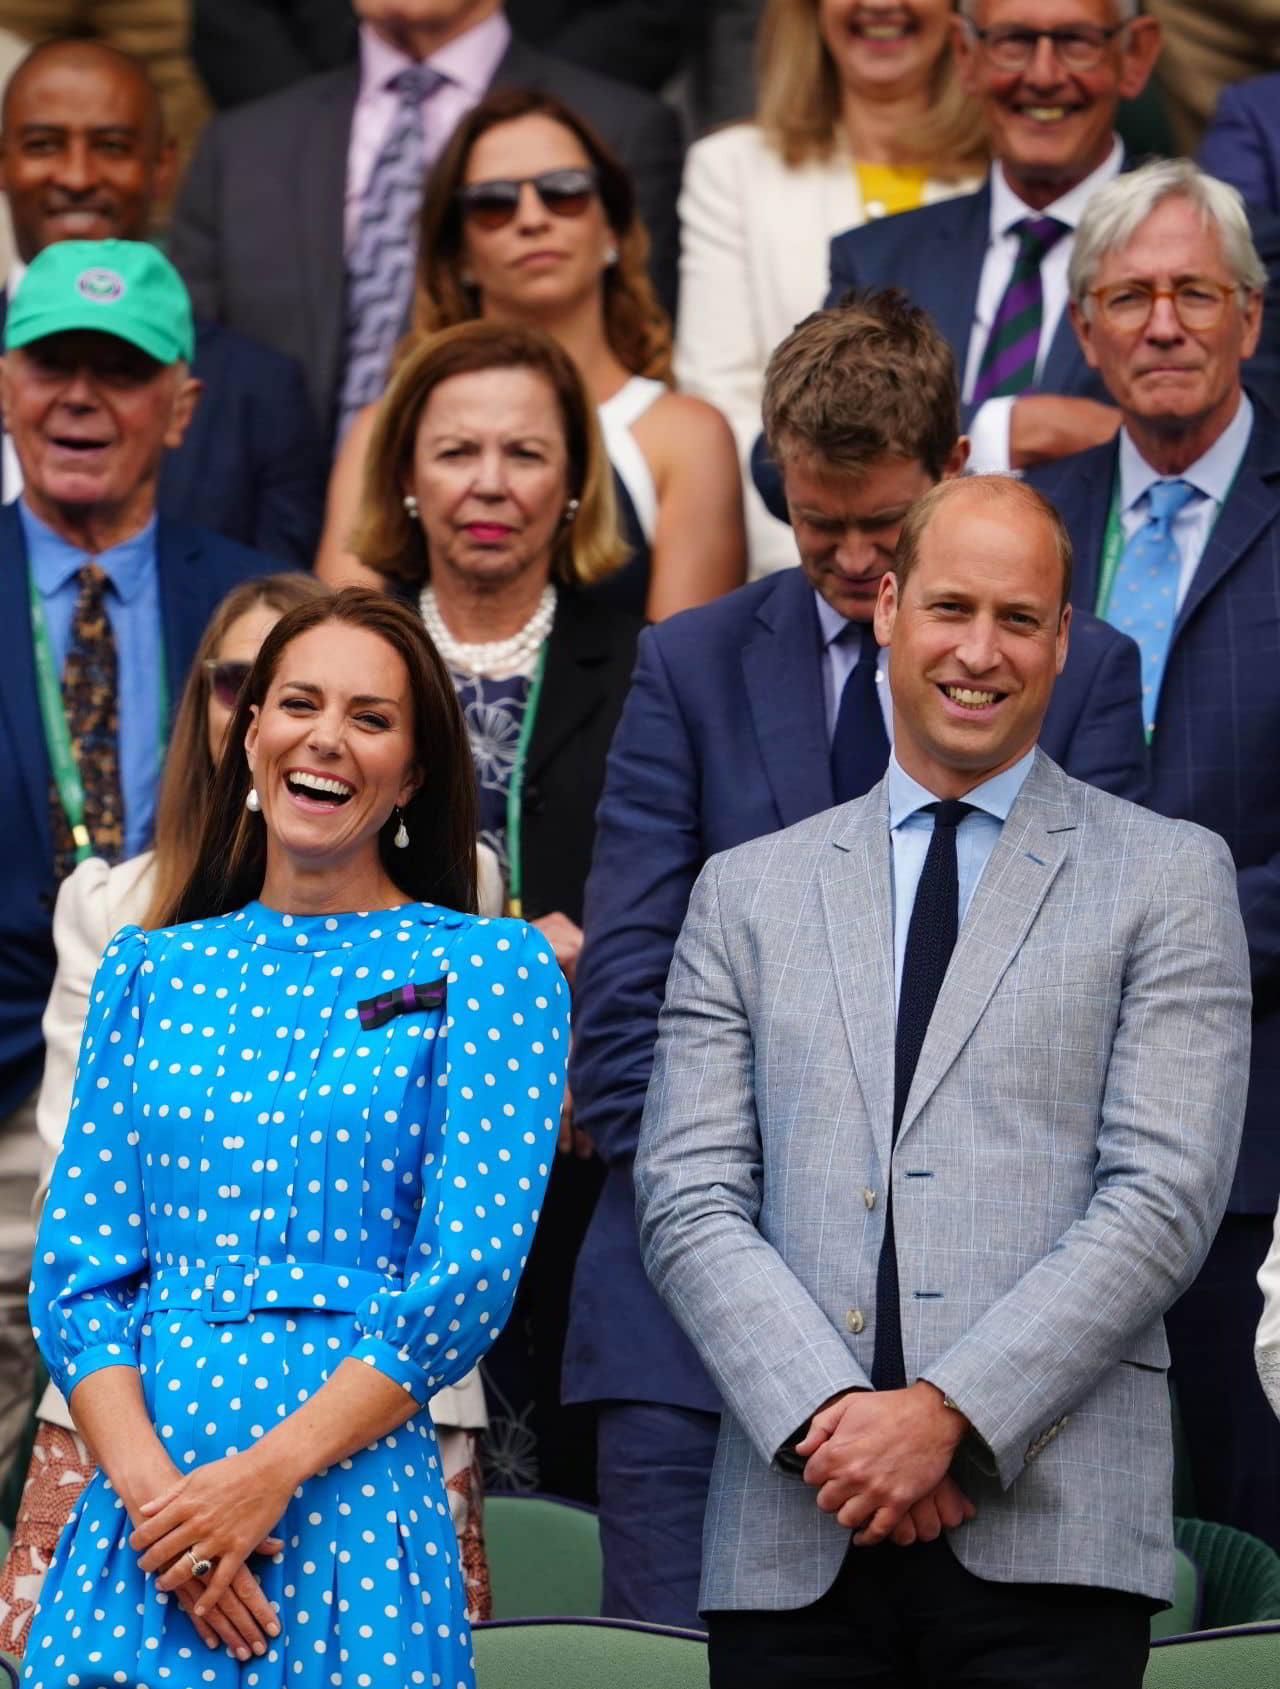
(468, 61)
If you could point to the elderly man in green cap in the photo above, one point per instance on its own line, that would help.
(102, 605)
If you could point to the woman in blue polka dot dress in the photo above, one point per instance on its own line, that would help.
(298, 1184)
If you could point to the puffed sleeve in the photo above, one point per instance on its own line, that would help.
(488, 1148)
(91, 1248)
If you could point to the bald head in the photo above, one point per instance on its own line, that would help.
(83, 153)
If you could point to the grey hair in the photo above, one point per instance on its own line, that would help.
(1115, 213)
(1124, 11)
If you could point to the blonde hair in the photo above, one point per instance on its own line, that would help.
(798, 104)
(393, 543)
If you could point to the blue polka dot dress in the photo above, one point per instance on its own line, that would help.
(260, 1178)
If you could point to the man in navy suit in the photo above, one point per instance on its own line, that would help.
(96, 386)
(1176, 529)
(83, 156)
(745, 716)
(1242, 144)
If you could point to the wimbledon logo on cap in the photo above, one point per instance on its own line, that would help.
(103, 287)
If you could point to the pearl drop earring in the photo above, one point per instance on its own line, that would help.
(401, 840)
(251, 800)
(411, 507)
(571, 509)
(611, 256)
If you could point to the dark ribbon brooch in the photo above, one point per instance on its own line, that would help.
(406, 999)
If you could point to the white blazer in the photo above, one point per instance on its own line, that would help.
(754, 238)
(94, 902)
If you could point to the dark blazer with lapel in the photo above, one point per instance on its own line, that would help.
(258, 228)
(724, 739)
(589, 660)
(935, 255)
(195, 570)
(1242, 143)
(252, 466)
(1214, 754)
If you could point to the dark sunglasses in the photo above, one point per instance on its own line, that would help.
(227, 680)
(565, 193)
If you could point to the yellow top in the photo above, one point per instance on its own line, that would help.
(886, 188)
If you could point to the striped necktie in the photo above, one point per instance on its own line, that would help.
(1013, 345)
(90, 698)
(381, 262)
(1144, 596)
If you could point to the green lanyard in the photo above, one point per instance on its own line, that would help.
(1112, 551)
(515, 791)
(57, 736)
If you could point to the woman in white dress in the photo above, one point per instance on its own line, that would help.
(529, 219)
(859, 115)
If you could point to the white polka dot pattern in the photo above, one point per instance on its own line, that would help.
(300, 1190)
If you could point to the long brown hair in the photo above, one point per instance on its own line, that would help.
(388, 539)
(440, 864)
(183, 803)
(635, 325)
(798, 103)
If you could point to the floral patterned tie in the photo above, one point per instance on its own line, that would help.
(90, 698)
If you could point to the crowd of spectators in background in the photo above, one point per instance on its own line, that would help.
(551, 258)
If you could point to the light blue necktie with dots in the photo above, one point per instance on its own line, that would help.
(380, 263)
(1144, 599)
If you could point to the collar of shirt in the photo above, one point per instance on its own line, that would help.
(995, 797)
(54, 560)
(469, 59)
(1211, 474)
(832, 623)
(1007, 207)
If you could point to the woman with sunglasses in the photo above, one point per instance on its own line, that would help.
(94, 902)
(529, 219)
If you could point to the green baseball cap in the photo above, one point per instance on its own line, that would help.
(123, 287)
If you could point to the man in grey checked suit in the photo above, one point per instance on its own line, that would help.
(1042, 1129)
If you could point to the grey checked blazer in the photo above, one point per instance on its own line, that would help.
(1063, 1161)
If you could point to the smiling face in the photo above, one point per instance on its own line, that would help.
(1169, 380)
(83, 155)
(538, 262)
(884, 46)
(331, 752)
(91, 417)
(977, 635)
(847, 521)
(489, 472)
(1051, 126)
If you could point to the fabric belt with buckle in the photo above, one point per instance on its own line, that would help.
(223, 1291)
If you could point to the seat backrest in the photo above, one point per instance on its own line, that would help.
(588, 1654)
(544, 1557)
(1247, 1658)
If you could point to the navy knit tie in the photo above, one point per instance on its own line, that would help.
(859, 746)
(931, 937)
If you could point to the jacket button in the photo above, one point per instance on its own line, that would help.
(868, 1197)
(534, 802)
(855, 1321)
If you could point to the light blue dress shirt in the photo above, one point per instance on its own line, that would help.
(839, 661)
(910, 832)
(133, 610)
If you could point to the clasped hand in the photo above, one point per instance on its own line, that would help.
(222, 1512)
(879, 1461)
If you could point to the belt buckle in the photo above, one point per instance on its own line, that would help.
(229, 1292)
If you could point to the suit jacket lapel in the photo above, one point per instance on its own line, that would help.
(184, 610)
(1084, 502)
(955, 258)
(320, 176)
(782, 672)
(19, 695)
(1025, 862)
(857, 898)
(574, 681)
(1253, 503)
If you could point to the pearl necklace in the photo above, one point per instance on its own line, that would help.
(498, 658)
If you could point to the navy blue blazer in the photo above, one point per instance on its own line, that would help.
(1242, 143)
(196, 569)
(252, 465)
(723, 738)
(1214, 757)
